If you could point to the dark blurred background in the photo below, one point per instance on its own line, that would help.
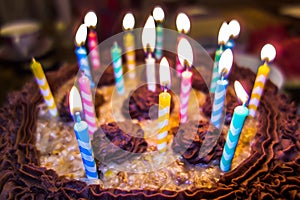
(265, 21)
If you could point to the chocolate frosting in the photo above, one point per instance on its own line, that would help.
(139, 103)
(270, 172)
(118, 142)
(189, 138)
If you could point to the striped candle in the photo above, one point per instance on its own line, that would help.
(225, 64)
(118, 71)
(90, 20)
(164, 102)
(218, 104)
(268, 53)
(85, 147)
(216, 75)
(258, 88)
(239, 115)
(185, 89)
(87, 102)
(163, 120)
(236, 125)
(81, 53)
(93, 47)
(159, 40)
(41, 80)
(130, 53)
(129, 44)
(159, 15)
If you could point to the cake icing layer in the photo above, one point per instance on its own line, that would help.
(270, 172)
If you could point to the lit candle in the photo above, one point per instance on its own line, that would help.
(81, 53)
(239, 115)
(82, 136)
(159, 15)
(117, 64)
(268, 53)
(128, 24)
(234, 28)
(185, 55)
(90, 20)
(222, 39)
(148, 40)
(164, 103)
(42, 82)
(225, 64)
(87, 102)
(183, 26)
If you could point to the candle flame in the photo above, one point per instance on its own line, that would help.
(223, 33)
(90, 19)
(158, 14)
(183, 23)
(225, 62)
(149, 34)
(240, 92)
(81, 35)
(128, 21)
(185, 52)
(164, 73)
(75, 101)
(234, 27)
(268, 53)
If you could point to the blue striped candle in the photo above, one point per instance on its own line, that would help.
(85, 147)
(159, 40)
(83, 63)
(236, 125)
(216, 75)
(217, 109)
(118, 71)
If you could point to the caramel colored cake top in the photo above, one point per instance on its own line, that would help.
(271, 171)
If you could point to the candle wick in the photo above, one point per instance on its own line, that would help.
(77, 117)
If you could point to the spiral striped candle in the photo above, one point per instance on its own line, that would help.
(44, 87)
(87, 102)
(118, 71)
(130, 54)
(159, 40)
(258, 88)
(163, 120)
(83, 63)
(93, 47)
(85, 147)
(216, 75)
(218, 104)
(185, 89)
(236, 125)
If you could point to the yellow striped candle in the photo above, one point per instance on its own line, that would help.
(268, 53)
(164, 103)
(128, 24)
(41, 80)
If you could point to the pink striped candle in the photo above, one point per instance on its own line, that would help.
(87, 102)
(185, 89)
(90, 20)
(93, 47)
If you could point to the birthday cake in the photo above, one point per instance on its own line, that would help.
(46, 156)
(267, 169)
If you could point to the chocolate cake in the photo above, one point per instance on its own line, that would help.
(270, 171)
